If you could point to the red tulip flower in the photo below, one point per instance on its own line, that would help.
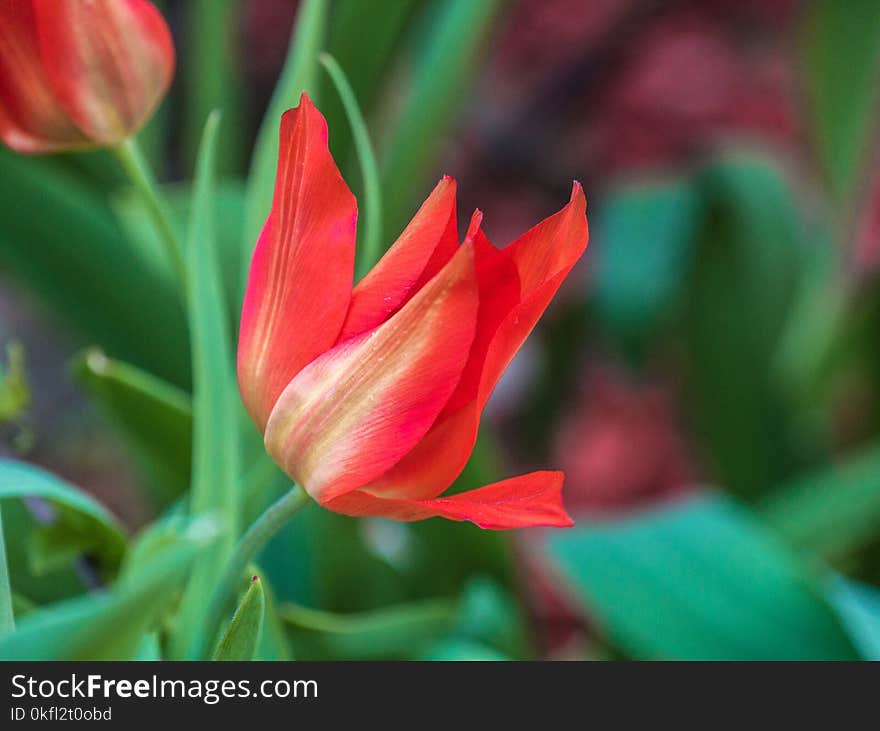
(80, 73)
(370, 398)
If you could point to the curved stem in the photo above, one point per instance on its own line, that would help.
(138, 171)
(273, 519)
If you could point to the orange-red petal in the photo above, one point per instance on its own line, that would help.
(299, 286)
(528, 500)
(32, 118)
(424, 247)
(356, 410)
(542, 258)
(110, 62)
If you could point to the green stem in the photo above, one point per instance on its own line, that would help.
(138, 171)
(273, 519)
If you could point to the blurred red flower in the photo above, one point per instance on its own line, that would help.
(80, 74)
(622, 445)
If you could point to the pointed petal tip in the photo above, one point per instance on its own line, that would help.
(474, 225)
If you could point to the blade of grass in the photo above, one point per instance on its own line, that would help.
(446, 62)
(299, 74)
(242, 637)
(364, 43)
(215, 417)
(368, 251)
(213, 80)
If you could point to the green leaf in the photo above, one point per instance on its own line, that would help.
(859, 608)
(299, 74)
(364, 43)
(274, 644)
(62, 241)
(7, 615)
(403, 631)
(841, 61)
(83, 518)
(216, 456)
(368, 251)
(645, 233)
(213, 78)
(154, 416)
(740, 294)
(445, 62)
(112, 625)
(242, 637)
(699, 580)
(20, 527)
(834, 512)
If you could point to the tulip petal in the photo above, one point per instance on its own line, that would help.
(427, 243)
(528, 500)
(543, 258)
(32, 119)
(110, 62)
(357, 409)
(299, 286)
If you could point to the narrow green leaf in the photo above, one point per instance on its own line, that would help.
(841, 61)
(81, 515)
(213, 78)
(445, 63)
(364, 43)
(242, 637)
(368, 251)
(216, 456)
(834, 512)
(20, 528)
(155, 417)
(274, 645)
(109, 626)
(701, 579)
(7, 615)
(299, 74)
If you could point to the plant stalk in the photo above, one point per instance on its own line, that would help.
(138, 171)
(273, 519)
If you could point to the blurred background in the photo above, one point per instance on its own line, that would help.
(708, 377)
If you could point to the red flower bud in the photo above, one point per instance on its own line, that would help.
(80, 73)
